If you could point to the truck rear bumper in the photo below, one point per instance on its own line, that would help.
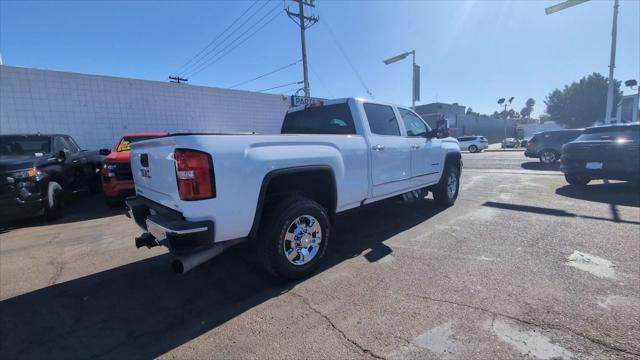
(608, 171)
(164, 226)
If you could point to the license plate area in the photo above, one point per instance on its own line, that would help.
(594, 165)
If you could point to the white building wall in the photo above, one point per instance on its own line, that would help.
(98, 110)
(530, 129)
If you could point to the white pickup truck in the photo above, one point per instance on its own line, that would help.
(200, 193)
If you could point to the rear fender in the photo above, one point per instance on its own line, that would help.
(329, 203)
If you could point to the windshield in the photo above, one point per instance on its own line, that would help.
(24, 144)
(125, 143)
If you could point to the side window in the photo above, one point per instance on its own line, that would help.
(414, 125)
(60, 144)
(382, 119)
(73, 146)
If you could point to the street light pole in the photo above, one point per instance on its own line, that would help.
(614, 30)
(413, 82)
(612, 62)
(413, 76)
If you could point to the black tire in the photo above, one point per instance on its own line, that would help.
(440, 192)
(549, 157)
(277, 223)
(576, 180)
(54, 204)
(473, 148)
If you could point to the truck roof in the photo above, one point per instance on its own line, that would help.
(36, 134)
(344, 100)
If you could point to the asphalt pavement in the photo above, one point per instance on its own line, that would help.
(523, 266)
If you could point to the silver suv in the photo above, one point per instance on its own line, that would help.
(474, 143)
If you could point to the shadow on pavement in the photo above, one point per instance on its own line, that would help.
(618, 193)
(79, 207)
(537, 165)
(556, 212)
(143, 310)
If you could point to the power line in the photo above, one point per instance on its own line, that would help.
(267, 74)
(344, 54)
(281, 86)
(324, 86)
(234, 31)
(215, 58)
(216, 38)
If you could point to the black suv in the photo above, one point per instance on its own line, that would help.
(609, 152)
(547, 145)
(36, 171)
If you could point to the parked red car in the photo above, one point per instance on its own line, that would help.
(117, 180)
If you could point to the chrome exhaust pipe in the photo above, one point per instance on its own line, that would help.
(182, 264)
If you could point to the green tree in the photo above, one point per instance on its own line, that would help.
(528, 109)
(582, 103)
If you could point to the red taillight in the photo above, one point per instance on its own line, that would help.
(194, 174)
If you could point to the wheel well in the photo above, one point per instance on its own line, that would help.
(454, 158)
(314, 182)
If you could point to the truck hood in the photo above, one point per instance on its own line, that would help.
(20, 162)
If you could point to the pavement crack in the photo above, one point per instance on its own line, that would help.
(495, 314)
(58, 267)
(361, 348)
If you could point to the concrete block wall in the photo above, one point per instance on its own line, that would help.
(98, 110)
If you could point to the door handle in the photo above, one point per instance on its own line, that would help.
(415, 147)
(377, 147)
(76, 161)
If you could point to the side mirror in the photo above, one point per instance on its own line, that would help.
(62, 156)
(105, 152)
(442, 128)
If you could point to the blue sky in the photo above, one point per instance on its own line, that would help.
(471, 52)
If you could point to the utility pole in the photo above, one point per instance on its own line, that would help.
(177, 79)
(304, 22)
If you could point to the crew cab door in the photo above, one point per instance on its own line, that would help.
(425, 152)
(390, 152)
(72, 164)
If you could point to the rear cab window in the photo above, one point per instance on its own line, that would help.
(382, 119)
(333, 119)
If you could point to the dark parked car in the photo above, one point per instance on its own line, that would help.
(37, 171)
(606, 152)
(547, 145)
(509, 143)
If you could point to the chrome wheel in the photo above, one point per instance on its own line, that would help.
(302, 240)
(548, 157)
(452, 186)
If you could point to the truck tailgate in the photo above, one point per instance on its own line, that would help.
(153, 168)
